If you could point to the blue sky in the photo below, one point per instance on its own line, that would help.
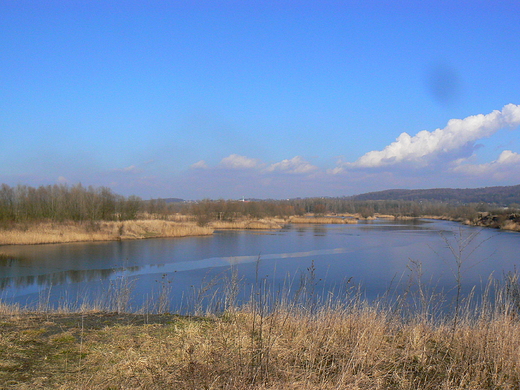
(265, 99)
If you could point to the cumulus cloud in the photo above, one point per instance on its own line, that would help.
(236, 161)
(237, 175)
(296, 165)
(504, 167)
(456, 138)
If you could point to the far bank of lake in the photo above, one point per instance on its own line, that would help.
(52, 232)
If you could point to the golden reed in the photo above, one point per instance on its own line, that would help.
(56, 232)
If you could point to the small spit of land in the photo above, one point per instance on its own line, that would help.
(498, 221)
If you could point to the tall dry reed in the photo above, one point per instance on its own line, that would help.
(54, 232)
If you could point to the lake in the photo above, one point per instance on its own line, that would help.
(380, 255)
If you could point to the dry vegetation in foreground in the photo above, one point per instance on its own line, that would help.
(57, 232)
(295, 345)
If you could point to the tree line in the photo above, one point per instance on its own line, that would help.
(78, 203)
(62, 202)
(229, 210)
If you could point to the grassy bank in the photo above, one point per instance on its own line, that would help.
(56, 232)
(349, 345)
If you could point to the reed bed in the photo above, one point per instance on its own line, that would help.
(262, 224)
(54, 232)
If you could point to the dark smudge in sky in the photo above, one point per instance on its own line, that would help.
(443, 84)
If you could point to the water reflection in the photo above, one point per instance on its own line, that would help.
(8, 260)
(62, 277)
(319, 230)
(86, 275)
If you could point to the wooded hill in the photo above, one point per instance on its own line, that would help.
(505, 195)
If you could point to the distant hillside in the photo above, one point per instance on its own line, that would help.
(497, 195)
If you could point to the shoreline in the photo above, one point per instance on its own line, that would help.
(97, 231)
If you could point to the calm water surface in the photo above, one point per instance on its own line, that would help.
(376, 254)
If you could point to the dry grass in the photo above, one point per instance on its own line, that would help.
(384, 216)
(261, 224)
(356, 346)
(52, 232)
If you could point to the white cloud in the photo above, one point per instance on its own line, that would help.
(235, 161)
(508, 157)
(450, 141)
(200, 165)
(296, 165)
(335, 171)
(506, 166)
(62, 180)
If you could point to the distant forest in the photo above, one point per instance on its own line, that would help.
(504, 196)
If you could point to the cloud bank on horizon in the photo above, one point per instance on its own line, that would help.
(295, 165)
